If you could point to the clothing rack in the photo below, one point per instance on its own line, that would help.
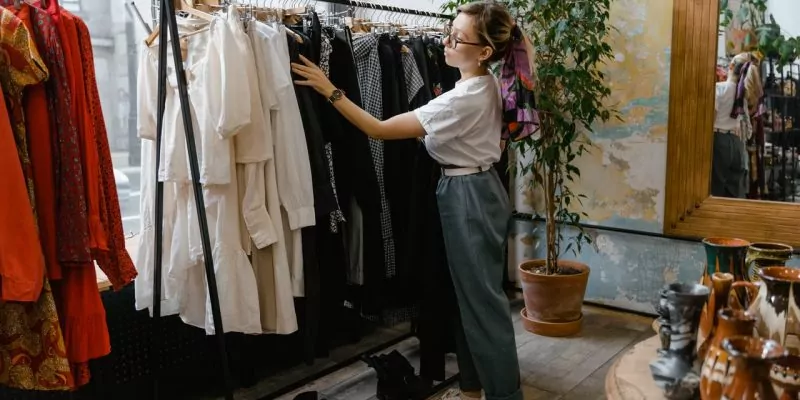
(166, 12)
(169, 21)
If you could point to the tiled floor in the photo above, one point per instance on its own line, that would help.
(563, 369)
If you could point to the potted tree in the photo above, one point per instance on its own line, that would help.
(571, 42)
(759, 31)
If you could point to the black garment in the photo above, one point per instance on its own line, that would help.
(398, 167)
(309, 102)
(449, 75)
(315, 246)
(434, 69)
(356, 179)
(421, 57)
(433, 290)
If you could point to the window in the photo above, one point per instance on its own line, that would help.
(116, 40)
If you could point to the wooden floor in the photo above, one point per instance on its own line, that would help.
(564, 369)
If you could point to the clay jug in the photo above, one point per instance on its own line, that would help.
(774, 302)
(785, 374)
(723, 255)
(751, 358)
(760, 255)
(714, 372)
(720, 287)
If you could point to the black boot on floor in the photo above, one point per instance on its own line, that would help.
(396, 378)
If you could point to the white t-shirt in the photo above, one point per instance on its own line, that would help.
(724, 97)
(463, 125)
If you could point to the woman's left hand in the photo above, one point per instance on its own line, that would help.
(314, 76)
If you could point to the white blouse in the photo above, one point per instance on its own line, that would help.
(464, 125)
(215, 88)
(724, 97)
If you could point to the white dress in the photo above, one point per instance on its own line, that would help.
(216, 87)
(290, 196)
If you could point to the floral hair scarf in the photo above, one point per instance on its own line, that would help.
(520, 118)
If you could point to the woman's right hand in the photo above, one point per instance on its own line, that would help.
(314, 76)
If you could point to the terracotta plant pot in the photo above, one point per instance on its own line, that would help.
(553, 303)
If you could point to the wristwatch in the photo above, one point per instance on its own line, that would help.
(336, 95)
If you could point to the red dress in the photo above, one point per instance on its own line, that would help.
(85, 124)
(23, 67)
(32, 353)
(40, 146)
(83, 317)
(116, 263)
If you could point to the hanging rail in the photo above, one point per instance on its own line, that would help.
(373, 6)
(361, 4)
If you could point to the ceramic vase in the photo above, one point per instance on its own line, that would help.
(785, 375)
(675, 369)
(751, 359)
(721, 283)
(761, 255)
(715, 370)
(726, 256)
(775, 302)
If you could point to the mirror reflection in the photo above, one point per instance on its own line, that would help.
(757, 104)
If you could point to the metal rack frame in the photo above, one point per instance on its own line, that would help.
(167, 13)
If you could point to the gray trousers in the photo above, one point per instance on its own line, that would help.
(475, 215)
(729, 166)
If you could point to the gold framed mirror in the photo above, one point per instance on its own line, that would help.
(690, 210)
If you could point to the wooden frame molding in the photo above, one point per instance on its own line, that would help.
(689, 210)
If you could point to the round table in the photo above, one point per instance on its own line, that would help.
(629, 377)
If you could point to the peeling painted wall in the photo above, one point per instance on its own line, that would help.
(628, 270)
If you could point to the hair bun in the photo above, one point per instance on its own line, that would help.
(516, 33)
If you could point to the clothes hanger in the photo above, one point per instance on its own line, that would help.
(189, 9)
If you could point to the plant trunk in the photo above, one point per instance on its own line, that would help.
(550, 222)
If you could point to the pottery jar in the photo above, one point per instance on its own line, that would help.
(720, 287)
(760, 255)
(674, 367)
(751, 358)
(727, 256)
(774, 301)
(785, 374)
(716, 365)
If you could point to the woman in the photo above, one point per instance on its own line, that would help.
(461, 130)
(737, 100)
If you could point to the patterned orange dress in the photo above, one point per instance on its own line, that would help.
(32, 351)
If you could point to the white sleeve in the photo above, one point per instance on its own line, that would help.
(440, 117)
(292, 163)
(254, 209)
(227, 112)
(146, 95)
